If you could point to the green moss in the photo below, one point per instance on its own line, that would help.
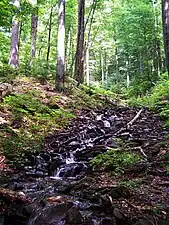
(115, 160)
(36, 120)
(15, 148)
(131, 183)
(90, 97)
(36, 115)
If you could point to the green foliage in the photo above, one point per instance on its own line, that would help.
(35, 120)
(131, 183)
(91, 97)
(6, 13)
(115, 160)
(15, 148)
(7, 73)
(41, 117)
(96, 90)
(158, 100)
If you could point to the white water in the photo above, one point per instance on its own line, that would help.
(106, 123)
(70, 159)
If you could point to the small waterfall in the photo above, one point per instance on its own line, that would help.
(70, 159)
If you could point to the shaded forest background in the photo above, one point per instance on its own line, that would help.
(122, 47)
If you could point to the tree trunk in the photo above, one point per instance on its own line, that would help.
(20, 32)
(117, 66)
(34, 24)
(106, 69)
(102, 68)
(49, 34)
(14, 51)
(67, 48)
(128, 75)
(87, 67)
(79, 63)
(61, 47)
(165, 20)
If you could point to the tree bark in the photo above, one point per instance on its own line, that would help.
(117, 66)
(14, 51)
(128, 75)
(87, 67)
(102, 68)
(67, 50)
(79, 63)
(61, 47)
(49, 34)
(106, 69)
(34, 24)
(165, 20)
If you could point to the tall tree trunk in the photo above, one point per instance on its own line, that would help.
(14, 51)
(61, 47)
(106, 68)
(49, 34)
(87, 67)
(165, 20)
(102, 68)
(128, 75)
(67, 48)
(34, 24)
(117, 65)
(20, 32)
(79, 63)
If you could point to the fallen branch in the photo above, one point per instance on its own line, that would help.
(138, 208)
(134, 119)
(140, 149)
(12, 196)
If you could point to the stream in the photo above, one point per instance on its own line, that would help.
(61, 183)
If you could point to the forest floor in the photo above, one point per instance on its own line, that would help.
(85, 155)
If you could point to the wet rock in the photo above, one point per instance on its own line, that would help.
(28, 209)
(71, 170)
(53, 214)
(64, 188)
(45, 156)
(39, 174)
(73, 216)
(31, 173)
(118, 192)
(107, 221)
(16, 177)
(19, 186)
(27, 168)
(147, 220)
(15, 215)
(91, 195)
(120, 218)
(32, 160)
(55, 164)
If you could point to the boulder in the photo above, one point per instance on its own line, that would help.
(5, 89)
(73, 216)
(53, 214)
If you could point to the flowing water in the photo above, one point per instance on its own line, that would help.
(64, 170)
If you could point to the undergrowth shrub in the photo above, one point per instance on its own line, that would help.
(157, 100)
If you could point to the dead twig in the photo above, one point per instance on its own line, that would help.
(133, 206)
(134, 119)
(140, 149)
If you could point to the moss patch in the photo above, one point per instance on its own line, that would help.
(116, 160)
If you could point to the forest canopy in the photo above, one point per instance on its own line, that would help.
(107, 42)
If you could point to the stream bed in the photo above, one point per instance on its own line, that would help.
(62, 186)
